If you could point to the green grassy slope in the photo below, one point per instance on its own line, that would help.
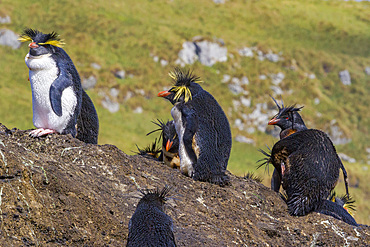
(314, 35)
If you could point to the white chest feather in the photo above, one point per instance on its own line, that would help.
(186, 165)
(42, 73)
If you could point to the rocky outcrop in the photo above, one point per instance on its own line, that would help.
(208, 53)
(88, 83)
(9, 38)
(57, 190)
(345, 77)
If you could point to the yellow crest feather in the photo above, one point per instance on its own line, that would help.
(24, 38)
(57, 43)
(182, 90)
(183, 80)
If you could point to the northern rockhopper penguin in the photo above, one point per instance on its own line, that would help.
(59, 103)
(202, 127)
(306, 163)
(170, 143)
(150, 225)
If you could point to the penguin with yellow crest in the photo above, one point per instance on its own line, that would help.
(202, 127)
(59, 103)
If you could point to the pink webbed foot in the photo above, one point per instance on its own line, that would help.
(41, 132)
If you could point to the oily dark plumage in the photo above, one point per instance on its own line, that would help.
(337, 211)
(305, 161)
(170, 143)
(340, 208)
(308, 169)
(203, 129)
(150, 225)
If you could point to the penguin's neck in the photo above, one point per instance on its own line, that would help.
(43, 71)
(287, 132)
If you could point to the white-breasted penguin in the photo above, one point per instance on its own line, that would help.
(59, 103)
(202, 127)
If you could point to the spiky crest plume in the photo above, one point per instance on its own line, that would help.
(161, 125)
(266, 160)
(162, 195)
(347, 201)
(251, 175)
(182, 81)
(52, 38)
(285, 109)
(151, 150)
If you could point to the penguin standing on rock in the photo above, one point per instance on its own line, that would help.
(150, 225)
(306, 164)
(59, 103)
(202, 127)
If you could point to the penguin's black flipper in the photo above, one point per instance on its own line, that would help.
(87, 122)
(63, 81)
(191, 126)
(337, 211)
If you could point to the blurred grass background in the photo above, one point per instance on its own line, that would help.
(319, 37)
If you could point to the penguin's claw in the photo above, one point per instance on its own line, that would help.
(41, 132)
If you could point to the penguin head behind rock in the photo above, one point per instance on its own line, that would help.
(185, 88)
(345, 201)
(288, 119)
(170, 138)
(41, 44)
(168, 134)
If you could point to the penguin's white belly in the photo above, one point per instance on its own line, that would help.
(186, 165)
(43, 72)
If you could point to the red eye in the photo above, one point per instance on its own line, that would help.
(287, 118)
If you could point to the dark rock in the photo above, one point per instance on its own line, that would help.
(87, 182)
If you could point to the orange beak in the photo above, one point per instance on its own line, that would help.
(163, 94)
(273, 121)
(168, 145)
(33, 45)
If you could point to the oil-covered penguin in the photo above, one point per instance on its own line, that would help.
(202, 127)
(339, 207)
(59, 103)
(150, 225)
(305, 161)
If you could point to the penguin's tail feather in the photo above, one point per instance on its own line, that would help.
(88, 122)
